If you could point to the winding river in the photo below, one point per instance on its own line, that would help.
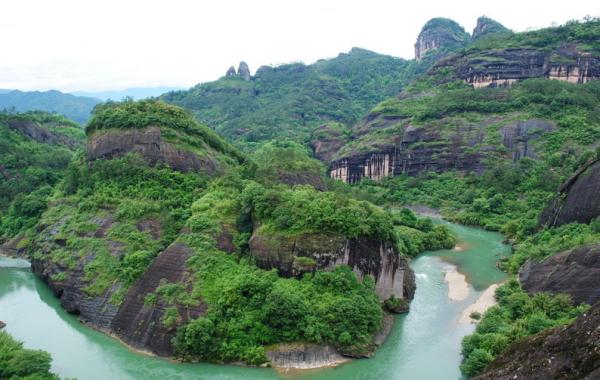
(424, 344)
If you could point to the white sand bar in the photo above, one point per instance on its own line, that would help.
(484, 302)
(458, 289)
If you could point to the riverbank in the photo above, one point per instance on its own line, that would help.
(484, 302)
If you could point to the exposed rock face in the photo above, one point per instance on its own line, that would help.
(41, 135)
(135, 322)
(306, 253)
(2, 325)
(442, 34)
(502, 68)
(518, 137)
(230, 72)
(243, 71)
(304, 356)
(327, 140)
(575, 272)
(308, 355)
(416, 150)
(151, 145)
(302, 178)
(141, 325)
(571, 352)
(486, 26)
(578, 199)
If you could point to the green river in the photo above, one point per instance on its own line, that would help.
(424, 344)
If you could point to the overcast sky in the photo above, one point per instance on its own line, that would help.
(114, 44)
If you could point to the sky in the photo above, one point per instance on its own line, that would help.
(96, 45)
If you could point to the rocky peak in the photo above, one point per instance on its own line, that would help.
(230, 72)
(440, 34)
(486, 26)
(243, 71)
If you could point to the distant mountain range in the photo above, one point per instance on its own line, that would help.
(134, 92)
(76, 106)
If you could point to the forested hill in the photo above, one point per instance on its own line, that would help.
(290, 100)
(77, 108)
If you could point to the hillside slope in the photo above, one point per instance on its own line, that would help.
(154, 233)
(290, 100)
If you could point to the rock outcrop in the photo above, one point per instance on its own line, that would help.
(566, 353)
(304, 356)
(135, 321)
(441, 35)
(149, 143)
(486, 26)
(40, 134)
(140, 324)
(243, 71)
(503, 67)
(415, 149)
(293, 256)
(230, 72)
(578, 198)
(518, 137)
(575, 272)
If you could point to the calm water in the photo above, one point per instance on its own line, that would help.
(424, 344)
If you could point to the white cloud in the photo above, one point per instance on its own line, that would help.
(113, 44)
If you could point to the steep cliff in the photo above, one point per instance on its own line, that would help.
(566, 53)
(577, 200)
(440, 35)
(294, 256)
(439, 124)
(575, 272)
(568, 352)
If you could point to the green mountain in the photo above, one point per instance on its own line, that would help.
(36, 149)
(289, 101)
(163, 229)
(73, 107)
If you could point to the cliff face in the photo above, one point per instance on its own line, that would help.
(135, 321)
(150, 144)
(293, 256)
(575, 272)
(441, 35)
(569, 352)
(438, 147)
(578, 199)
(503, 67)
(140, 324)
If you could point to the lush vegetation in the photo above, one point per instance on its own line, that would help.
(17, 362)
(29, 166)
(516, 316)
(76, 108)
(175, 123)
(290, 100)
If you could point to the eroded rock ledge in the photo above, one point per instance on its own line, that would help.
(293, 256)
(150, 144)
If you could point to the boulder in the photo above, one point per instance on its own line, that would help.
(243, 71)
(567, 353)
(575, 272)
(578, 198)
